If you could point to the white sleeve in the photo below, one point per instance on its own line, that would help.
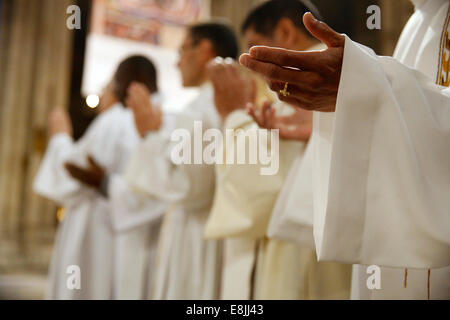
(131, 208)
(52, 180)
(381, 175)
(293, 213)
(244, 197)
(152, 171)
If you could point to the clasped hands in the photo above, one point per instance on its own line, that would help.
(147, 117)
(92, 175)
(59, 123)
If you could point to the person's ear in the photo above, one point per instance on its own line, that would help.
(285, 33)
(205, 50)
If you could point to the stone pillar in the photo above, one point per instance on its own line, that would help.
(35, 67)
(394, 15)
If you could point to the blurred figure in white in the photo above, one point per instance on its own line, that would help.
(283, 265)
(109, 232)
(188, 266)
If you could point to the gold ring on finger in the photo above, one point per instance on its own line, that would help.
(285, 92)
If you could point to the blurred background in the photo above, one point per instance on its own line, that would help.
(43, 64)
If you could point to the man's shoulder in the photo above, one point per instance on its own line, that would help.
(112, 112)
(107, 122)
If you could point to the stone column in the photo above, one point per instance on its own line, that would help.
(35, 68)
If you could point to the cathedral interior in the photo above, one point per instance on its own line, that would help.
(45, 64)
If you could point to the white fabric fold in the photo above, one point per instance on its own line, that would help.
(386, 195)
(381, 175)
(187, 265)
(94, 227)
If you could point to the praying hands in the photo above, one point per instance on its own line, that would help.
(296, 126)
(146, 117)
(233, 90)
(91, 176)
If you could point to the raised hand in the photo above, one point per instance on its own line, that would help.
(312, 77)
(91, 176)
(108, 98)
(296, 126)
(59, 122)
(146, 117)
(232, 89)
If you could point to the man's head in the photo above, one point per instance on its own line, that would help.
(133, 69)
(202, 43)
(278, 23)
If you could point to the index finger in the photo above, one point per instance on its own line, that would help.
(275, 72)
(303, 60)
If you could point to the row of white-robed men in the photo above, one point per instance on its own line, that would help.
(354, 193)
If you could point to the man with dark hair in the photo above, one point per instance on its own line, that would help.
(219, 34)
(278, 23)
(101, 224)
(202, 42)
(135, 68)
(188, 266)
(284, 266)
(265, 18)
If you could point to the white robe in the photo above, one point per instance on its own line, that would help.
(242, 207)
(381, 170)
(292, 216)
(98, 233)
(188, 266)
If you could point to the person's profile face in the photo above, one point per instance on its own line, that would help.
(187, 62)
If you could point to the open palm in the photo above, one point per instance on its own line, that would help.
(296, 126)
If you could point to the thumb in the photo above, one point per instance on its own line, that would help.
(321, 31)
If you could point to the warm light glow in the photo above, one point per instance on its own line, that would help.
(92, 101)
